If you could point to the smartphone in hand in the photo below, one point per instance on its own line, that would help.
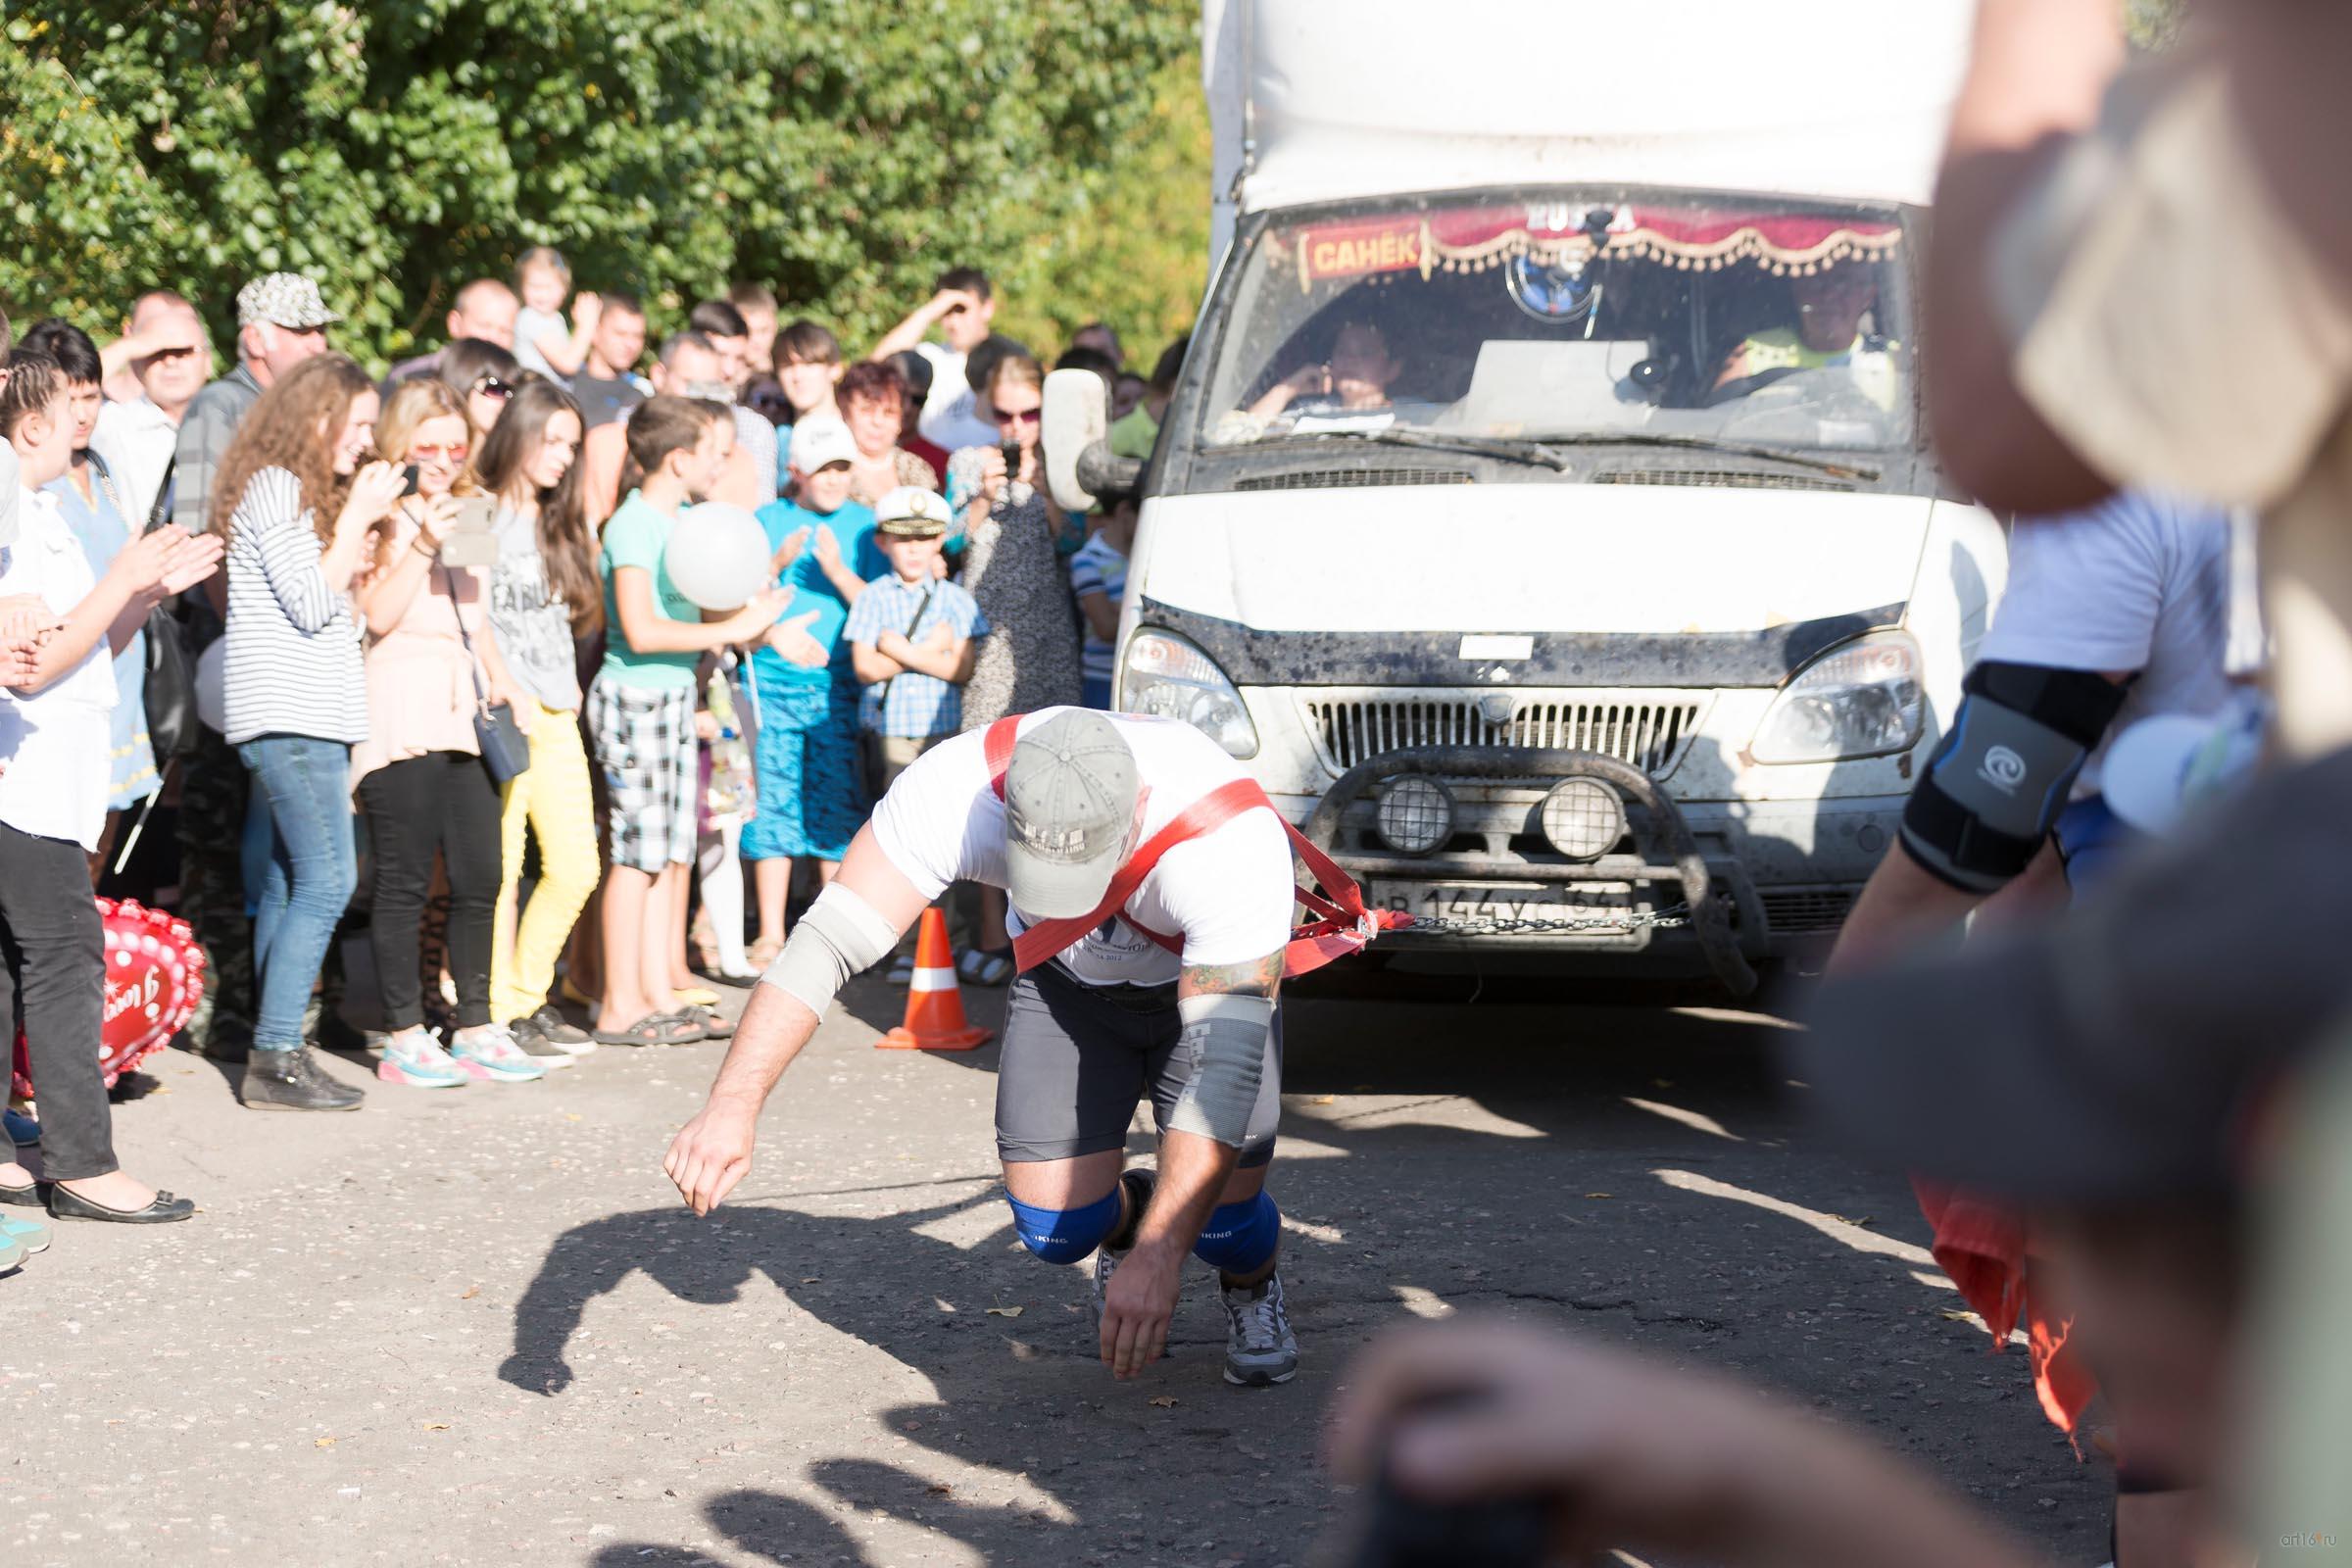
(469, 542)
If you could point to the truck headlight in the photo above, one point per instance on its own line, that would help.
(1861, 699)
(1415, 815)
(1168, 677)
(1583, 818)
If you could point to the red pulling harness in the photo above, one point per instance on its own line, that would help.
(1339, 924)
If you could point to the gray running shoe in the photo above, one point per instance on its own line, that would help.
(1259, 1350)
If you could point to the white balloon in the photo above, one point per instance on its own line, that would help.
(212, 699)
(717, 555)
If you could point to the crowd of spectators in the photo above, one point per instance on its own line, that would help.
(478, 788)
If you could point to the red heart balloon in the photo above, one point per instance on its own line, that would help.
(153, 979)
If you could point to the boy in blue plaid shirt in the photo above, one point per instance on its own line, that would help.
(911, 637)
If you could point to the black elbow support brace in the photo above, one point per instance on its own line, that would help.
(1993, 789)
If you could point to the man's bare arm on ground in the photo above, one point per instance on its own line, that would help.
(713, 1152)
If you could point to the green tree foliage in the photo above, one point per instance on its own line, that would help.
(842, 151)
(2153, 24)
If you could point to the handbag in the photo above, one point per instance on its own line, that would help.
(168, 692)
(505, 750)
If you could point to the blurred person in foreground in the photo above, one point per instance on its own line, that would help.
(2222, 370)
(281, 322)
(2124, 612)
(166, 357)
(1606, 1449)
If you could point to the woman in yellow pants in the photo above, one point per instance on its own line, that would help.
(544, 595)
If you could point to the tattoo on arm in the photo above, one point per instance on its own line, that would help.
(1259, 977)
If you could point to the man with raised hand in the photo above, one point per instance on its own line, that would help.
(1153, 927)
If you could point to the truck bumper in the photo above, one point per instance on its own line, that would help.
(1761, 880)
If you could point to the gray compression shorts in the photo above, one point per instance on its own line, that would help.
(1079, 1058)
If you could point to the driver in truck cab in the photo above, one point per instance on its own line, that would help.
(1348, 391)
(1827, 330)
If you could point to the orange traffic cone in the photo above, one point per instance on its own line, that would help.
(934, 1003)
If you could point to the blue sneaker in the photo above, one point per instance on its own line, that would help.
(490, 1052)
(414, 1057)
(12, 1253)
(23, 1130)
(32, 1235)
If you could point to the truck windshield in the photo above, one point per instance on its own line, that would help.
(1733, 319)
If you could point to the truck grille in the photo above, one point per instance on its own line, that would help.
(1797, 910)
(1352, 478)
(1650, 731)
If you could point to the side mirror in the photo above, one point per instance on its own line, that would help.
(1079, 464)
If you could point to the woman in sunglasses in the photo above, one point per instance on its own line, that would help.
(484, 378)
(1030, 660)
(422, 786)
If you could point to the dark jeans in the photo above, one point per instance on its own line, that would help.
(299, 872)
(442, 800)
(53, 981)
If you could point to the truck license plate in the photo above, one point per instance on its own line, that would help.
(1508, 901)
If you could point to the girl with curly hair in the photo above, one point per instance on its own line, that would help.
(296, 505)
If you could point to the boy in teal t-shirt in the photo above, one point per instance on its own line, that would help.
(641, 713)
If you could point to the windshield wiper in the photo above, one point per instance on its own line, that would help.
(1706, 443)
(1508, 448)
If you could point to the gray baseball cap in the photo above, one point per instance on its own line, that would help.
(1069, 803)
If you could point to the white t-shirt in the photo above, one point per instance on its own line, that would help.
(136, 440)
(951, 418)
(2137, 582)
(55, 745)
(1228, 894)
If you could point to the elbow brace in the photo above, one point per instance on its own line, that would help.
(1995, 788)
(1224, 1038)
(842, 935)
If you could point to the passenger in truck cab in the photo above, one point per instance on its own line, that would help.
(1348, 391)
(1827, 330)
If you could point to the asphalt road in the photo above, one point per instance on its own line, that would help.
(476, 1326)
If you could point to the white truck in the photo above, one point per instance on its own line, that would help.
(1544, 512)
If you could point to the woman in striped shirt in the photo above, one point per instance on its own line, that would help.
(296, 506)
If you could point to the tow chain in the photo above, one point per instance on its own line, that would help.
(1668, 918)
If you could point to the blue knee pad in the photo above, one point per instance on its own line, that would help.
(1240, 1238)
(1065, 1235)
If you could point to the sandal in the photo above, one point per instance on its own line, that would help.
(715, 1026)
(763, 953)
(985, 967)
(654, 1029)
(693, 996)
